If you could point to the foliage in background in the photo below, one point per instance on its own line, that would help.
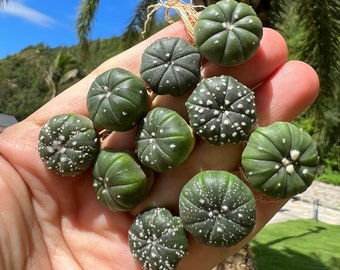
(87, 11)
(312, 31)
(25, 77)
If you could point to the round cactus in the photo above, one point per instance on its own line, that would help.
(164, 139)
(157, 239)
(117, 100)
(68, 144)
(228, 33)
(217, 208)
(171, 66)
(221, 110)
(280, 160)
(120, 181)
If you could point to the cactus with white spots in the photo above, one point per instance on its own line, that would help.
(221, 110)
(120, 181)
(217, 208)
(228, 33)
(171, 66)
(157, 239)
(280, 160)
(68, 144)
(164, 139)
(117, 100)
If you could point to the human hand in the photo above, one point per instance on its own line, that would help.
(53, 222)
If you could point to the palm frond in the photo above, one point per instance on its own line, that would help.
(3, 2)
(321, 46)
(87, 10)
(132, 34)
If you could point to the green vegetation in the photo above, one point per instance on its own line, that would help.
(31, 77)
(298, 244)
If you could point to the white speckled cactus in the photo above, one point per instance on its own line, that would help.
(157, 239)
(68, 144)
(217, 208)
(221, 110)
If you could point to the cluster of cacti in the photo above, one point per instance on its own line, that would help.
(216, 207)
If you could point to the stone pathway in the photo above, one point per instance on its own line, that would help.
(301, 206)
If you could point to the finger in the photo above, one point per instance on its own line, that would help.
(287, 93)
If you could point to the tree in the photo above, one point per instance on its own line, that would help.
(315, 40)
(2, 2)
(62, 70)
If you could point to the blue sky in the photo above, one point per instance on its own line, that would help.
(30, 22)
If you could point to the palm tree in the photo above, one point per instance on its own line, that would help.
(62, 70)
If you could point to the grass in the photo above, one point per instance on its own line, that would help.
(298, 244)
(330, 177)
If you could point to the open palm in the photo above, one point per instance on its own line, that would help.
(53, 222)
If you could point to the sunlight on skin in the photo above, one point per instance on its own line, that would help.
(51, 222)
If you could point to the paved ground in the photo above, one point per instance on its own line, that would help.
(302, 206)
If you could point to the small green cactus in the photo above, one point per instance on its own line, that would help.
(120, 181)
(280, 160)
(68, 144)
(228, 33)
(164, 139)
(171, 66)
(217, 208)
(221, 110)
(157, 239)
(117, 100)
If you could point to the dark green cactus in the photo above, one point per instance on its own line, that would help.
(217, 208)
(68, 144)
(280, 160)
(157, 239)
(228, 33)
(164, 139)
(121, 182)
(117, 100)
(221, 110)
(171, 66)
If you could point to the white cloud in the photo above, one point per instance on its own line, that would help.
(18, 10)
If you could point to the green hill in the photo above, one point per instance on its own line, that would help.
(23, 86)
